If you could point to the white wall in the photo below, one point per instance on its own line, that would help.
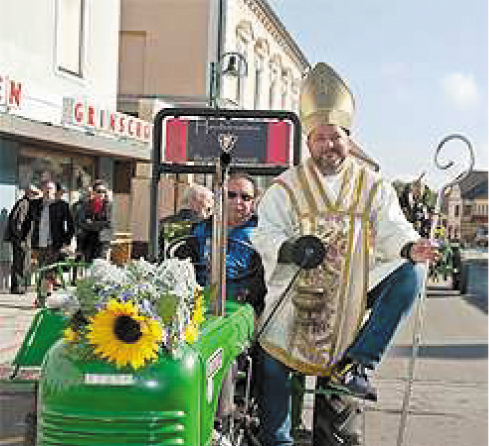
(28, 55)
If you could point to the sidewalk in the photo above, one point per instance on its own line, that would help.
(16, 313)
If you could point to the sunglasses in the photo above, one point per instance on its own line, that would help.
(244, 196)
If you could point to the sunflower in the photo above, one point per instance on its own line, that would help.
(121, 335)
(198, 316)
(191, 333)
(70, 335)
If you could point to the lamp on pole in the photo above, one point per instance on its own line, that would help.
(231, 64)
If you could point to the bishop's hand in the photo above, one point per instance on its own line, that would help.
(306, 251)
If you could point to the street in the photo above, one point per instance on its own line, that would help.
(448, 404)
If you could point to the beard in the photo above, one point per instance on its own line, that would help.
(329, 163)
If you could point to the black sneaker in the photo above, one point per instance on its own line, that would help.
(355, 382)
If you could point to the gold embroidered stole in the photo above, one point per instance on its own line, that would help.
(326, 307)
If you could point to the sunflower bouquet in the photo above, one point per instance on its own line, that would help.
(127, 315)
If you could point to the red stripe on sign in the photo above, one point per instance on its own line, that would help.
(176, 140)
(278, 144)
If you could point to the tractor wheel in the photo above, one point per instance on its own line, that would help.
(464, 279)
(30, 429)
(456, 281)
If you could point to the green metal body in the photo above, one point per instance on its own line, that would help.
(172, 401)
(46, 328)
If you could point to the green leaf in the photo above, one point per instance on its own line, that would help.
(167, 307)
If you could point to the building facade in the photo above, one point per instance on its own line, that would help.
(466, 207)
(58, 102)
(175, 53)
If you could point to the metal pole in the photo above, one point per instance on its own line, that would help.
(155, 178)
(212, 92)
(219, 238)
(418, 322)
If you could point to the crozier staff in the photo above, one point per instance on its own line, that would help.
(318, 328)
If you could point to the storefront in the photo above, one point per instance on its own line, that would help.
(32, 151)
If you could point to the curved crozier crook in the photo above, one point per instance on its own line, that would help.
(450, 163)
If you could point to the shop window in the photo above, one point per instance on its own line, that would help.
(38, 164)
(70, 36)
(123, 173)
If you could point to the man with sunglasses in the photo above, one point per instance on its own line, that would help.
(355, 218)
(244, 273)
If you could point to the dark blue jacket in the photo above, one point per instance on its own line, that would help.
(244, 271)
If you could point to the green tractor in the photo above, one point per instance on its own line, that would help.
(97, 387)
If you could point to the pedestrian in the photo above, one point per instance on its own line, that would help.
(5, 253)
(52, 229)
(85, 195)
(18, 234)
(331, 199)
(197, 204)
(94, 219)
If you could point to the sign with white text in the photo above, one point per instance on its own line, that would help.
(87, 115)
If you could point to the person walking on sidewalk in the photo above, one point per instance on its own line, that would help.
(18, 233)
(5, 253)
(355, 216)
(94, 219)
(53, 228)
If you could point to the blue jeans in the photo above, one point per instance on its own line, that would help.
(274, 400)
(390, 301)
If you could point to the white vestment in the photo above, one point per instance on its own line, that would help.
(359, 220)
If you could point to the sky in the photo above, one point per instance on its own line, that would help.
(418, 73)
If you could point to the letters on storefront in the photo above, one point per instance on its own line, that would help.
(10, 92)
(86, 115)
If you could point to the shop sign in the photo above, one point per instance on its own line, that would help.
(88, 116)
(249, 142)
(10, 92)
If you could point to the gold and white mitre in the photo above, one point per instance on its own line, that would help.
(325, 99)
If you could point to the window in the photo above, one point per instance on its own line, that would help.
(457, 210)
(242, 48)
(70, 36)
(284, 97)
(123, 173)
(132, 54)
(258, 81)
(467, 210)
(73, 172)
(271, 96)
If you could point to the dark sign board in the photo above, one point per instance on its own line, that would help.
(248, 141)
